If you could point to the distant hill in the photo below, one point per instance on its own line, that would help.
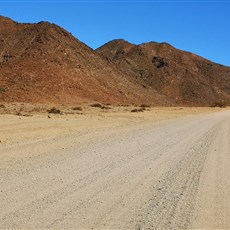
(184, 78)
(43, 63)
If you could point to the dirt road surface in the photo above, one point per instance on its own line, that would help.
(169, 174)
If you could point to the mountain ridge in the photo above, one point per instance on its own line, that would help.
(43, 63)
(169, 71)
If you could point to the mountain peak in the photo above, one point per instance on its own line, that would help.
(6, 19)
(115, 49)
(6, 23)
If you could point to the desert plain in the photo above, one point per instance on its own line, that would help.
(110, 168)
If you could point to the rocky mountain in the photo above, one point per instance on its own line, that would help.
(43, 63)
(184, 78)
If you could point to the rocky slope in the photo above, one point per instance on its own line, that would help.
(43, 63)
(184, 78)
(46, 64)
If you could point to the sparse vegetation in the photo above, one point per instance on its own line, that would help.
(124, 105)
(96, 105)
(54, 110)
(144, 106)
(78, 108)
(138, 110)
(221, 104)
(38, 109)
(19, 112)
(105, 107)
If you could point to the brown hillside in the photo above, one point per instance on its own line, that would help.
(43, 63)
(183, 77)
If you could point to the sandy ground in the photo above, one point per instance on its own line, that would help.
(25, 122)
(164, 168)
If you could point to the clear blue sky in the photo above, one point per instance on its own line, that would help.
(202, 27)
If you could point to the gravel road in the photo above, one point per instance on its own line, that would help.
(171, 174)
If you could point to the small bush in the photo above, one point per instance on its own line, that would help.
(2, 106)
(221, 104)
(97, 105)
(144, 106)
(138, 110)
(124, 105)
(105, 107)
(19, 112)
(54, 110)
(77, 108)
